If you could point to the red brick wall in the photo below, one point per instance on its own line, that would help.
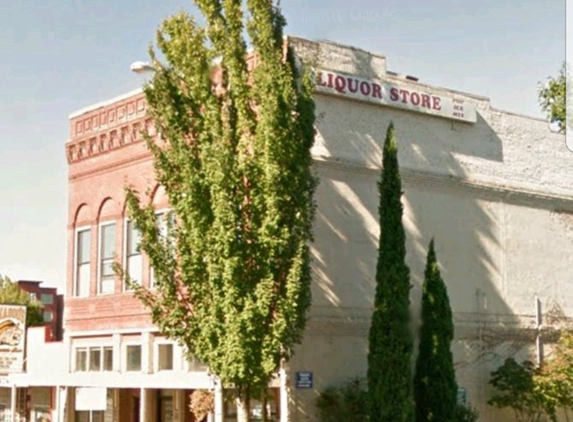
(55, 307)
(105, 152)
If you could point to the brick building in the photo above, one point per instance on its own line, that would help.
(53, 303)
(490, 186)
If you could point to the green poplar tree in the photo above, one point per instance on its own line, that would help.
(390, 340)
(232, 274)
(435, 387)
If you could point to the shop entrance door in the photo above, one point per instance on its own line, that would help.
(135, 409)
(165, 409)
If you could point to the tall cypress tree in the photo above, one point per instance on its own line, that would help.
(390, 340)
(232, 275)
(435, 386)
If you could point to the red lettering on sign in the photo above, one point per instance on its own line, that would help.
(415, 98)
(365, 88)
(436, 103)
(340, 84)
(330, 75)
(426, 101)
(404, 93)
(394, 94)
(319, 79)
(351, 88)
(376, 91)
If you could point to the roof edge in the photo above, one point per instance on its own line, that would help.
(105, 103)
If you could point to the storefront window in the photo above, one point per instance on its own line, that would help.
(89, 416)
(41, 414)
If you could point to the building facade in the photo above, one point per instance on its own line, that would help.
(53, 306)
(492, 187)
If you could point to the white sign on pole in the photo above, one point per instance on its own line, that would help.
(405, 96)
(12, 338)
(91, 398)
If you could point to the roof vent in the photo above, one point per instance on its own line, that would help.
(402, 76)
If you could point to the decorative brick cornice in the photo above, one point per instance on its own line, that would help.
(113, 125)
(107, 139)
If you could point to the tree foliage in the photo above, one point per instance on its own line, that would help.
(390, 339)
(232, 275)
(12, 294)
(553, 98)
(435, 387)
(555, 378)
(516, 389)
(465, 413)
(536, 392)
(202, 403)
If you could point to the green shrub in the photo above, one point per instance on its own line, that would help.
(347, 403)
(466, 414)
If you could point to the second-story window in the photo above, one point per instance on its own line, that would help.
(81, 360)
(162, 226)
(48, 316)
(82, 276)
(106, 257)
(47, 298)
(165, 357)
(133, 357)
(133, 253)
(94, 359)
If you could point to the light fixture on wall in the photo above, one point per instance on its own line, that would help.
(141, 67)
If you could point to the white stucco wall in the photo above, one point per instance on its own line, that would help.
(489, 192)
(46, 362)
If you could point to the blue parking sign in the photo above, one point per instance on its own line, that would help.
(304, 380)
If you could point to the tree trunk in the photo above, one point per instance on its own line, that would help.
(264, 405)
(243, 408)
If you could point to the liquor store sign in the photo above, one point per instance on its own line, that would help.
(12, 338)
(406, 96)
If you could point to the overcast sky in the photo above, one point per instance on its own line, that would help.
(61, 55)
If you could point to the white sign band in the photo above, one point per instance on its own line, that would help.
(409, 97)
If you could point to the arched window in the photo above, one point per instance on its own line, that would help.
(82, 252)
(106, 247)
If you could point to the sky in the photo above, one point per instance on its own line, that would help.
(58, 56)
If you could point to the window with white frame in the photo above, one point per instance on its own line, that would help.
(94, 359)
(133, 357)
(106, 258)
(108, 358)
(161, 218)
(133, 253)
(82, 276)
(81, 360)
(165, 357)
